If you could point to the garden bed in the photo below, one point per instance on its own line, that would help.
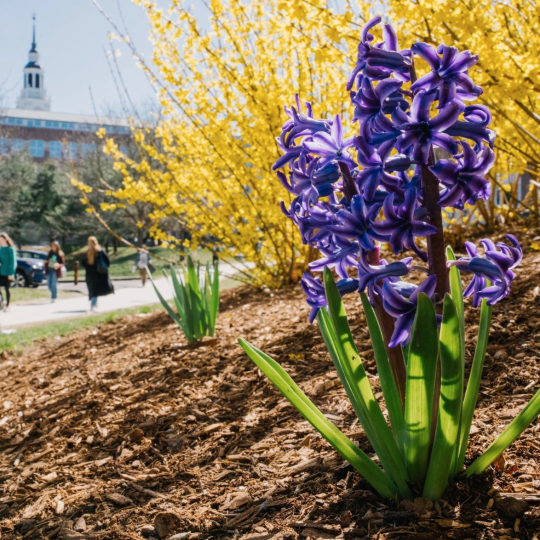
(115, 431)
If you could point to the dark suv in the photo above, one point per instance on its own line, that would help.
(30, 268)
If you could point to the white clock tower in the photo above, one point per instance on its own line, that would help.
(33, 95)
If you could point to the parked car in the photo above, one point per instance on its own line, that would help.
(30, 268)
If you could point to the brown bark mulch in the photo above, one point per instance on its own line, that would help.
(124, 431)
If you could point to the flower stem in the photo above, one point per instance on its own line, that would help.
(349, 185)
(436, 262)
(435, 242)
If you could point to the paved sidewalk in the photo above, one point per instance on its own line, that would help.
(125, 298)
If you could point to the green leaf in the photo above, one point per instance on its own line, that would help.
(337, 335)
(359, 405)
(473, 385)
(421, 370)
(451, 399)
(182, 298)
(456, 291)
(405, 353)
(386, 376)
(171, 313)
(507, 437)
(195, 299)
(179, 294)
(344, 446)
(214, 303)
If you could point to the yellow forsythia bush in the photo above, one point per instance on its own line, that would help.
(208, 162)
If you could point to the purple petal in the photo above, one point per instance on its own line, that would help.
(446, 117)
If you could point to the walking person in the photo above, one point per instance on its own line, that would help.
(8, 266)
(53, 268)
(142, 262)
(96, 262)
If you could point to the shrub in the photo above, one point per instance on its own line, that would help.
(196, 298)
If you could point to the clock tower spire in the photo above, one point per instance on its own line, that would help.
(33, 95)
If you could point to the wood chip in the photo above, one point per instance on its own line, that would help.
(119, 499)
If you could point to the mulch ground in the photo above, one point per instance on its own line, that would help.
(124, 431)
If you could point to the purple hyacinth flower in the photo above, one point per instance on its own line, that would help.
(309, 181)
(420, 131)
(313, 224)
(378, 62)
(377, 165)
(372, 275)
(448, 74)
(475, 128)
(496, 266)
(356, 223)
(339, 253)
(402, 224)
(330, 146)
(372, 105)
(299, 125)
(464, 179)
(384, 58)
(403, 309)
(316, 297)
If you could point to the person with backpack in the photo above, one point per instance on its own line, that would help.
(8, 266)
(54, 268)
(96, 262)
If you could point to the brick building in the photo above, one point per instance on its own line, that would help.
(33, 128)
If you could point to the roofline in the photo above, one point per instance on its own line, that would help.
(64, 117)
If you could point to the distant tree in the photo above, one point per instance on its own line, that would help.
(17, 173)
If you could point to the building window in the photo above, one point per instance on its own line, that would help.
(55, 149)
(88, 149)
(30, 80)
(37, 80)
(37, 148)
(17, 145)
(3, 145)
(70, 152)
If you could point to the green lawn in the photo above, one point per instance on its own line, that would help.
(122, 262)
(26, 336)
(25, 295)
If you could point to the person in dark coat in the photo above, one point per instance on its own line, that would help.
(96, 262)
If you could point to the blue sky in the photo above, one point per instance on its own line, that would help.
(72, 39)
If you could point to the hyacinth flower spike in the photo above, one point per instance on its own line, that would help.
(385, 184)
